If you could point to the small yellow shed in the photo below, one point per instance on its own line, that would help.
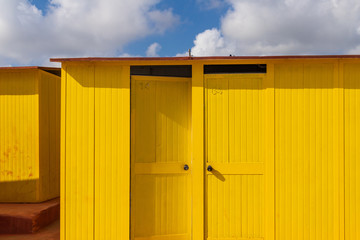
(29, 134)
(210, 148)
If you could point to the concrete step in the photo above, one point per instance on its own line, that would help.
(17, 218)
(51, 232)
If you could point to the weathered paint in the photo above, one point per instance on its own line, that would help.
(284, 145)
(29, 135)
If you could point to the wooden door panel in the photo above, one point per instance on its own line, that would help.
(237, 138)
(160, 186)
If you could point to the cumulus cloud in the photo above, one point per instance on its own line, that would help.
(355, 50)
(211, 42)
(153, 50)
(276, 27)
(210, 4)
(76, 28)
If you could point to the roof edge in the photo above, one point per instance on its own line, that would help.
(52, 70)
(91, 59)
(107, 59)
(31, 67)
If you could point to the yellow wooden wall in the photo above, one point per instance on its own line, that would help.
(79, 152)
(351, 75)
(95, 145)
(309, 151)
(29, 135)
(49, 135)
(316, 122)
(19, 129)
(112, 146)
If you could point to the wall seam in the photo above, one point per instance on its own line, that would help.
(274, 146)
(64, 142)
(94, 180)
(344, 139)
(49, 131)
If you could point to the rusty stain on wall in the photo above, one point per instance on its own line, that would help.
(14, 156)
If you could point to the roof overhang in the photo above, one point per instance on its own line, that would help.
(123, 59)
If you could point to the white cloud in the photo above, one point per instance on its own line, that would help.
(153, 50)
(276, 27)
(355, 50)
(210, 4)
(76, 28)
(211, 42)
(164, 19)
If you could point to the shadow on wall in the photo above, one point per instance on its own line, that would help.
(29, 135)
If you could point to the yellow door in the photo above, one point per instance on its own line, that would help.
(160, 158)
(239, 182)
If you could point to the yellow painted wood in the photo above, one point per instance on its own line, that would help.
(112, 156)
(79, 152)
(197, 150)
(95, 152)
(19, 130)
(49, 135)
(309, 151)
(159, 168)
(63, 204)
(44, 133)
(269, 153)
(351, 76)
(169, 237)
(239, 168)
(238, 139)
(235, 238)
(341, 134)
(160, 195)
(29, 135)
(199, 62)
(307, 125)
(159, 79)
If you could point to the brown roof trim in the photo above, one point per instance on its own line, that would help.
(51, 70)
(119, 59)
(91, 59)
(30, 67)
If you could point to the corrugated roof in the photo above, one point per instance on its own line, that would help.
(92, 59)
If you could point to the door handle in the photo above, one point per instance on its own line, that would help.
(209, 168)
(186, 167)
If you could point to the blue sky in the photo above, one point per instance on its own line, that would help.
(195, 17)
(32, 31)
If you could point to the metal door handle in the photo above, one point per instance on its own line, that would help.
(186, 167)
(209, 168)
